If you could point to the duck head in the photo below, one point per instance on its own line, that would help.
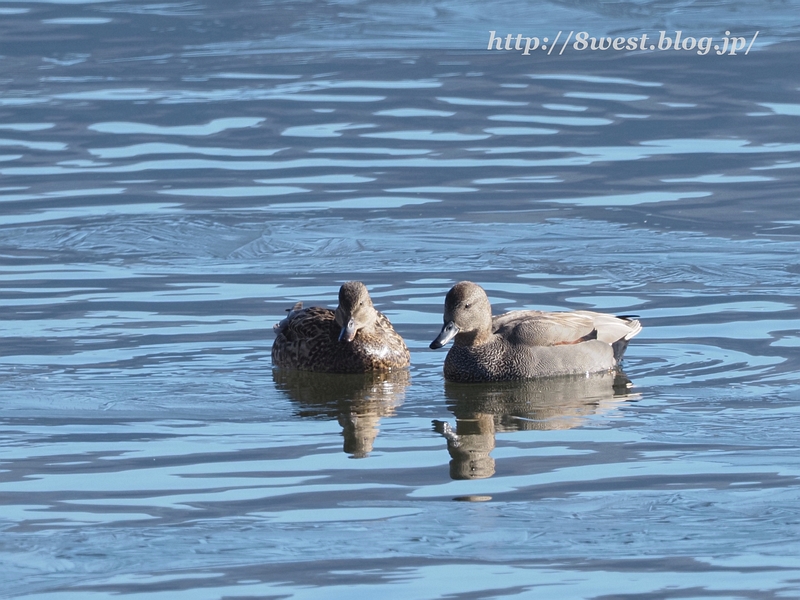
(467, 315)
(355, 310)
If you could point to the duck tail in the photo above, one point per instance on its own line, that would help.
(292, 311)
(619, 348)
(634, 327)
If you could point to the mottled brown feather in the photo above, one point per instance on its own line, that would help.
(308, 339)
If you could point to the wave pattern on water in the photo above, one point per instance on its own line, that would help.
(175, 176)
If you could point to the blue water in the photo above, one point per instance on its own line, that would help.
(174, 176)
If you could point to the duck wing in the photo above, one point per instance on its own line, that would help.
(611, 329)
(537, 328)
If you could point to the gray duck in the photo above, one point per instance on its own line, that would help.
(526, 344)
(355, 338)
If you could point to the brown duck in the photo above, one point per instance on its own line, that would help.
(525, 344)
(355, 338)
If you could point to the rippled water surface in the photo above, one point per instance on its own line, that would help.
(174, 176)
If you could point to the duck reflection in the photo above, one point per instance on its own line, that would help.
(357, 401)
(482, 410)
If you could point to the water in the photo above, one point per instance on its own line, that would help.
(174, 176)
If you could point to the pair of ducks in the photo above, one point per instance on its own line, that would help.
(521, 344)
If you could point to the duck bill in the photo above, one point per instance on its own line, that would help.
(349, 331)
(447, 333)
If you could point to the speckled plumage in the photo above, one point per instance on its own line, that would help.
(355, 338)
(526, 344)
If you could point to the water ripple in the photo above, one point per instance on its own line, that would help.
(148, 446)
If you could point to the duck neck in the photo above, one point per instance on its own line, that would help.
(476, 337)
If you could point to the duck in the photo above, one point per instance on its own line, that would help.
(526, 344)
(354, 338)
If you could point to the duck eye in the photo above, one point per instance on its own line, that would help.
(467, 305)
